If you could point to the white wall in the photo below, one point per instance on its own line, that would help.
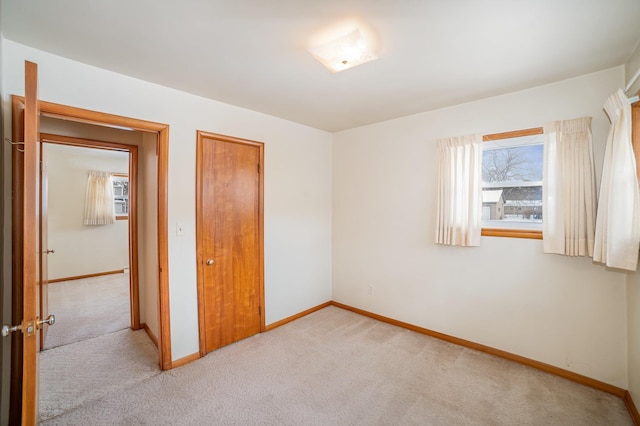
(148, 269)
(297, 180)
(506, 294)
(633, 329)
(81, 249)
(631, 67)
(633, 280)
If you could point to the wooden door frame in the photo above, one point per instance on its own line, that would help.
(43, 254)
(201, 135)
(134, 289)
(18, 238)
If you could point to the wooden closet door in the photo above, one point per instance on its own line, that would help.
(231, 240)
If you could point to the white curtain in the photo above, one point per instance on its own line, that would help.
(459, 217)
(99, 208)
(569, 188)
(618, 223)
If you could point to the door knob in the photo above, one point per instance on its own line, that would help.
(7, 329)
(51, 319)
(50, 251)
(209, 262)
(28, 327)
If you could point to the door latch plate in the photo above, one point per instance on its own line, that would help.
(29, 328)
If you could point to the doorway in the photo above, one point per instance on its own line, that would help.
(229, 229)
(92, 272)
(91, 269)
(156, 137)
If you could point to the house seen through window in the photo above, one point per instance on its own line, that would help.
(121, 195)
(512, 182)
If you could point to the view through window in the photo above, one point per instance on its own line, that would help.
(121, 195)
(512, 182)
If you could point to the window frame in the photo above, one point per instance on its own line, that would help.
(122, 175)
(507, 232)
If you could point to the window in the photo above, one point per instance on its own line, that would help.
(121, 196)
(512, 184)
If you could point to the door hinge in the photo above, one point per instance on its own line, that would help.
(258, 168)
(259, 310)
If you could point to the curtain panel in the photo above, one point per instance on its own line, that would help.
(617, 236)
(99, 206)
(569, 188)
(459, 215)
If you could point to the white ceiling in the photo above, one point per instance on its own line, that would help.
(252, 53)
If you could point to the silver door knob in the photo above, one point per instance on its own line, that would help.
(28, 327)
(6, 329)
(51, 319)
(209, 262)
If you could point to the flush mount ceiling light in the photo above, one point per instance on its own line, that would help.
(344, 52)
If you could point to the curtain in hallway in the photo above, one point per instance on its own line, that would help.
(99, 206)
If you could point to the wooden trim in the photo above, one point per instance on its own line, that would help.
(164, 339)
(513, 134)
(85, 143)
(202, 333)
(200, 136)
(150, 333)
(575, 377)
(631, 407)
(123, 217)
(134, 283)
(297, 316)
(186, 360)
(511, 233)
(263, 308)
(80, 277)
(80, 115)
(162, 145)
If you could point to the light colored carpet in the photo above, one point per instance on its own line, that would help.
(87, 308)
(74, 374)
(334, 367)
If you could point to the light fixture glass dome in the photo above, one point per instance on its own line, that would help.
(344, 52)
